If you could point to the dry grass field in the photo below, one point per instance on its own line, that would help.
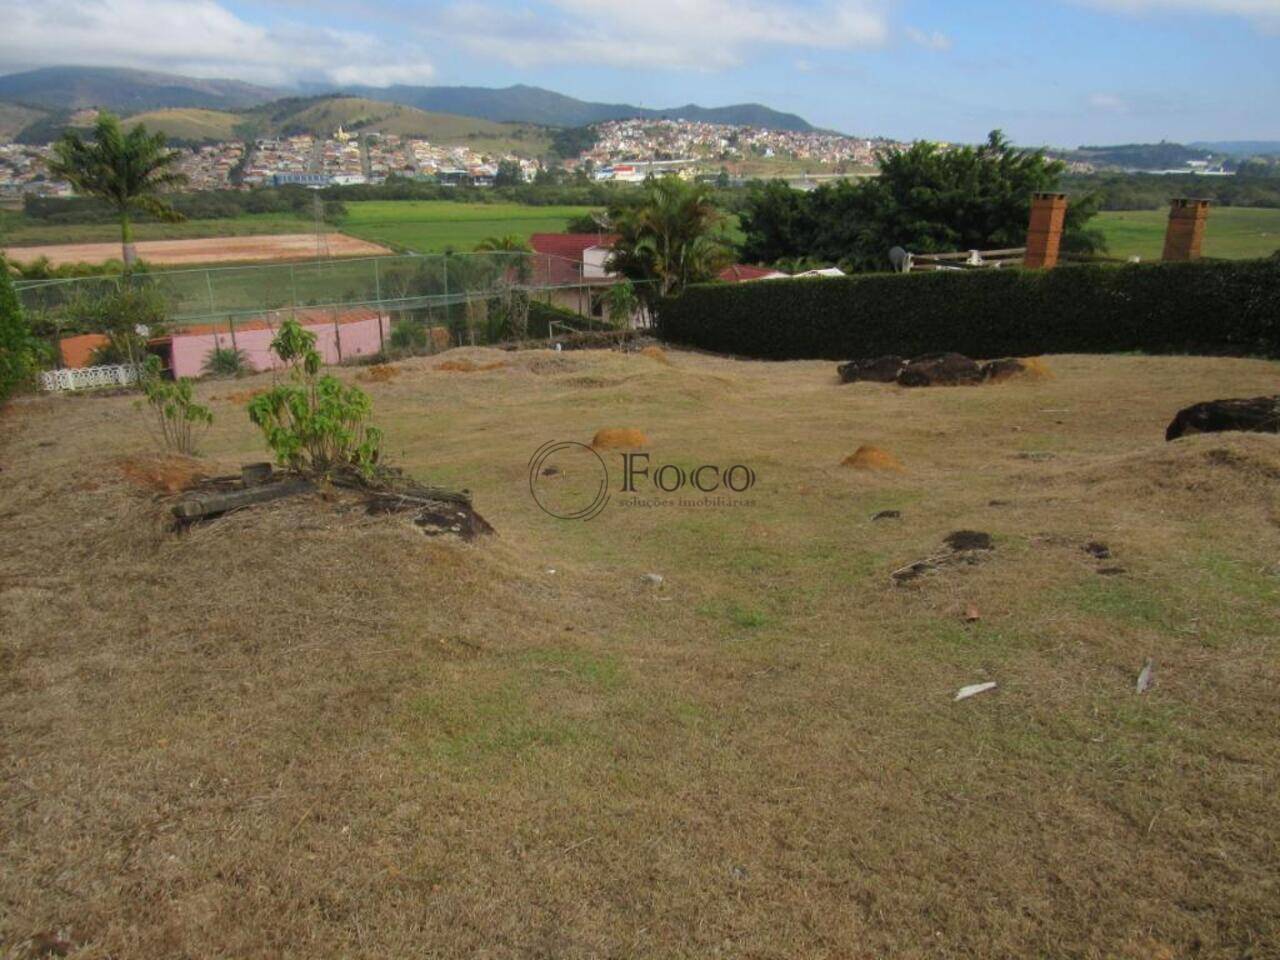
(171, 253)
(302, 731)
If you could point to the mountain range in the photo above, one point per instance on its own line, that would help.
(134, 91)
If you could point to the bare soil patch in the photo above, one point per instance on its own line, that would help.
(172, 253)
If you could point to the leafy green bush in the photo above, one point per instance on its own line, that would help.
(1205, 307)
(408, 336)
(179, 419)
(128, 312)
(226, 362)
(19, 350)
(314, 424)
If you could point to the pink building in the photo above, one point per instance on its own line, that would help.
(341, 334)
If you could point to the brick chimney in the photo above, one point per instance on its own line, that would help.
(1044, 235)
(1185, 233)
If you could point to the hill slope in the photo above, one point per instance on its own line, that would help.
(15, 116)
(321, 116)
(127, 91)
(536, 105)
(189, 123)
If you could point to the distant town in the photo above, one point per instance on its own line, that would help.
(623, 151)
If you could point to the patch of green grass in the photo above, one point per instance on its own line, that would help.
(739, 615)
(464, 726)
(1119, 599)
(433, 226)
(1232, 233)
(599, 671)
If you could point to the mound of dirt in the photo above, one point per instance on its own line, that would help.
(469, 366)
(379, 373)
(656, 353)
(1212, 473)
(873, 458)
(242, 397)
(163, 474)
(619, 438)
(1016, 368)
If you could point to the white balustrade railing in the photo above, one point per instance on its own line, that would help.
(86, 378)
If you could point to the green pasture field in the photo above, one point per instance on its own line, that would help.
(1232, 233)
(433, 226)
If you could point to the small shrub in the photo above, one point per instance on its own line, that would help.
(408, 336)
(178, 418)
(226, 362)
(314, 424)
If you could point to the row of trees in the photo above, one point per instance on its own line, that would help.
(927, 199)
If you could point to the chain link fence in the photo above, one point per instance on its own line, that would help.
(422, 303)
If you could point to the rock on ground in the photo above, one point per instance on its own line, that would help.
(1257, 415)
(940, 370)
(879, 370)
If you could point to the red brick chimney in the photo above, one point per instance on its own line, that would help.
(1044, 235)
(1185, 234)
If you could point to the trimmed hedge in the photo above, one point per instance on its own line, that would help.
(1201, 307)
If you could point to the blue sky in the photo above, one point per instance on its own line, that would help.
(1062, 72)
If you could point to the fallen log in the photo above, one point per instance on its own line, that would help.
(200, 505)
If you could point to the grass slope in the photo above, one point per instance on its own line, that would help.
(321, 117)
(431, 226)
(13, 117)
(356, 114)
(1233, 233)
(301, 730)
(190, 123)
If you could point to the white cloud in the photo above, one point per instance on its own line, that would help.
(930, 41)
(694, 34)
(196, 37)
(1263, 13)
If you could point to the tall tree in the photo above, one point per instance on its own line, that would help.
(129, 170)
(673, 234)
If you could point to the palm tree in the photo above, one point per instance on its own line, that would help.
(620, 303)
(127, 170)
(672, 237)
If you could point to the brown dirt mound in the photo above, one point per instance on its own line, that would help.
(1029, 368)
(163, 474)
(1213, 474)
(379, 373)
(872, 458)
(656, 353)
(242, 397)
(619, 438)
(469, 366)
